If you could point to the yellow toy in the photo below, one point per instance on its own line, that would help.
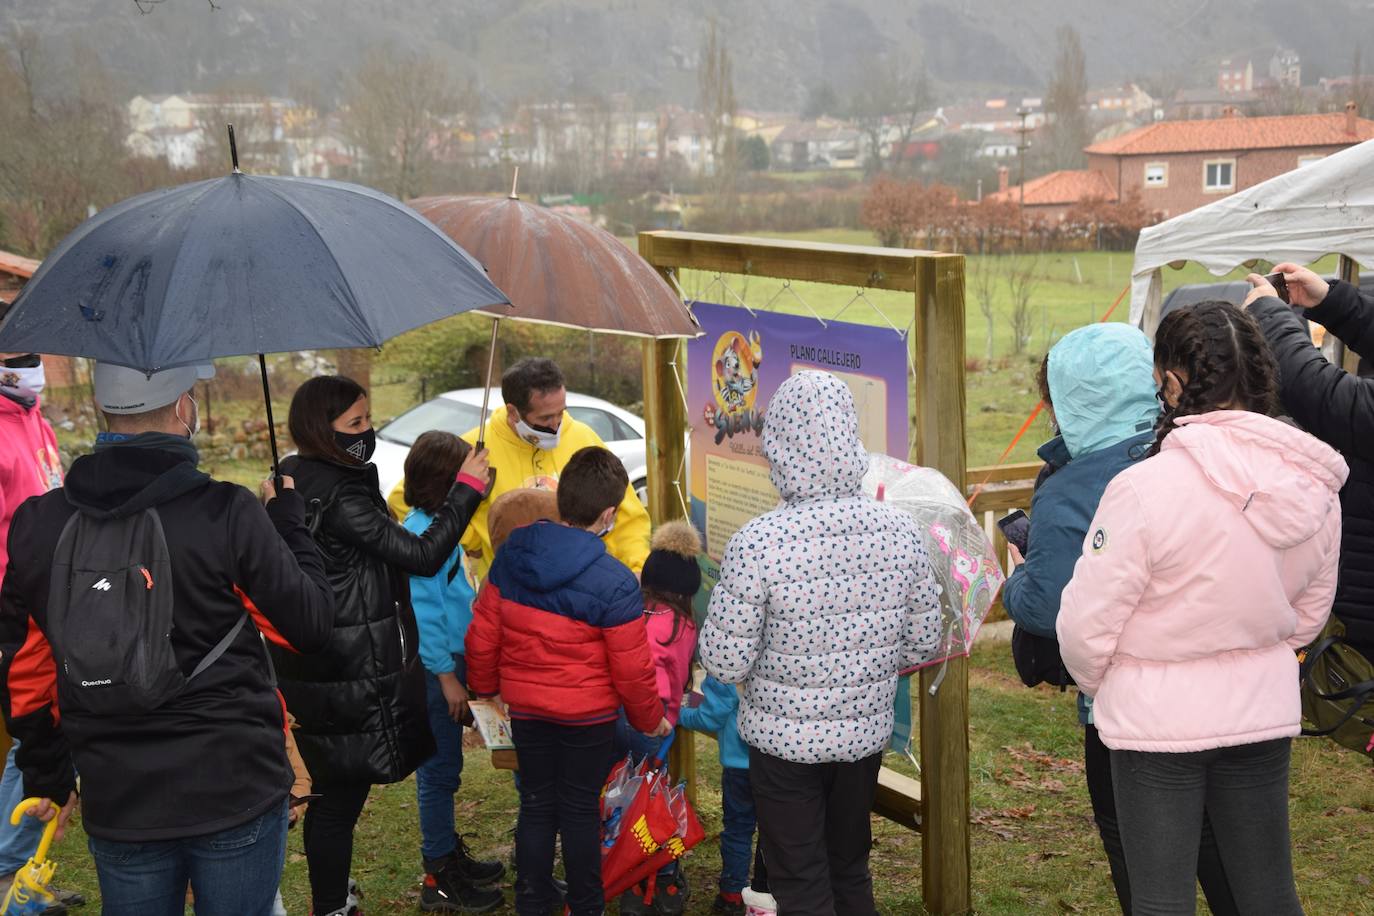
(29, 893)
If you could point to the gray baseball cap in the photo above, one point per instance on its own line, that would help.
(121, 390)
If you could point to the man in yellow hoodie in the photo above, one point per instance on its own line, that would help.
(529, 440)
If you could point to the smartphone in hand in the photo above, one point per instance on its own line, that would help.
(1280, 284)
(1016, 529)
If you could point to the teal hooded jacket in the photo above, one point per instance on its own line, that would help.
(1102, 385)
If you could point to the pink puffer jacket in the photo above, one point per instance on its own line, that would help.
(1204, 569)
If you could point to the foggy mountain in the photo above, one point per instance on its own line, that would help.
(521, 49)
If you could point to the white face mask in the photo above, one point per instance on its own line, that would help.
(539, 438)
(607, 530)
(23, 384)
(195, 408)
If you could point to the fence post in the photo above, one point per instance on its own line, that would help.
(939, 359)
(665, 425)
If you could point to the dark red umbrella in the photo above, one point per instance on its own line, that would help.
(559, 270)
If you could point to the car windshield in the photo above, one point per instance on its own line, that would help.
(440, 413)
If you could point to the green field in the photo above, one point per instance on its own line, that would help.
(1035, 848)
(1070, 290)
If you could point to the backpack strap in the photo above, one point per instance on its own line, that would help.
(1361, 691)
(220, 648)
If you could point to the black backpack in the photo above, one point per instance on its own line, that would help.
(1037, 659)
(110, 615)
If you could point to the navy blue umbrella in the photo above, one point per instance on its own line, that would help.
(242, 265)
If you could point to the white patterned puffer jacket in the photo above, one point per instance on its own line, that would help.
(822, 601)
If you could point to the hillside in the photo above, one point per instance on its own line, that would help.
(527, 48)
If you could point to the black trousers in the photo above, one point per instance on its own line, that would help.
(815, 833)
(562, 771)
(328, 838)
(1097, 766)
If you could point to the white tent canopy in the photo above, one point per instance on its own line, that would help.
(1323, 208)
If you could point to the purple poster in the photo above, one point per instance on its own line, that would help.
(734, 367)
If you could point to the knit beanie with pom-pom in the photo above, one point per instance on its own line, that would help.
(672, 563)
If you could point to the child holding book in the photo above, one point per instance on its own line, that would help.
(558, 632)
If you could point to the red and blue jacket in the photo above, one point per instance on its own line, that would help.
(558, 631)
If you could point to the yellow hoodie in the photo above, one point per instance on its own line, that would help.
(519, 464)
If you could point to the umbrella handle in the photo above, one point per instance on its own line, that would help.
(49, 830)
(271, 423)
(666, 746)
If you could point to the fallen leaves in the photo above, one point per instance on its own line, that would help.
(1001, 822)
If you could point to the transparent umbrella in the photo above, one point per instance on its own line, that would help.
(965, 563)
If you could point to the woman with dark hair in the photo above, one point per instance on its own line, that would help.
(1205, 568)
(360, 703)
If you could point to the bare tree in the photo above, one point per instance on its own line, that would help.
(393, 106)
(1022, 275)
(1068, 126)
(887, 108)
(984, 282)
(716, 90)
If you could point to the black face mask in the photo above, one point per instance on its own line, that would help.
(358, 446)
(27, 361)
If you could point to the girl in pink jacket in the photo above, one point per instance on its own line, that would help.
(1205, 568)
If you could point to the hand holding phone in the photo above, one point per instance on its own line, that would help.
(1016, 529)
(1280, 284)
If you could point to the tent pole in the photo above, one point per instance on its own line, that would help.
(1349, 271)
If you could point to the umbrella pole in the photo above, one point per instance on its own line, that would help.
(271, 424)
(486, 389)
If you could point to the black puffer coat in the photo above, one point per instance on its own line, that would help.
(1337, 408)
(360, 703)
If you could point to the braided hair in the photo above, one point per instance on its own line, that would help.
(1217, 352)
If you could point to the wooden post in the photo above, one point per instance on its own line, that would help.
(665, 427)
(939, 357)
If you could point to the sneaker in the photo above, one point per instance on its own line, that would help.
(445, 890)
(758, 903)
(671, 898)
(63, 899)
(632, 903)
(479, 872)
(731, 904)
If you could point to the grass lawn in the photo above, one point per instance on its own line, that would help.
(1035, 848)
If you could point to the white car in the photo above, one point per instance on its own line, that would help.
(458, 411)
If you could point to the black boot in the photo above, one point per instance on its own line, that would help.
(477, 872)
(445, 890)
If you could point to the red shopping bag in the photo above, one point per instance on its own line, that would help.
(645, 826)
(688, 834)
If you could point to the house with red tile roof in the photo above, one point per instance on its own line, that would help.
(1177, 166)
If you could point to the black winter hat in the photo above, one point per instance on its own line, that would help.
(672, 564)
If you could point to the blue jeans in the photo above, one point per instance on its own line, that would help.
(1161, 799)
(438, 778)
(234, 872)
(563, 769)
(737, 835)
(17, 844)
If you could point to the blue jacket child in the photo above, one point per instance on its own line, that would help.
(719, 712)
